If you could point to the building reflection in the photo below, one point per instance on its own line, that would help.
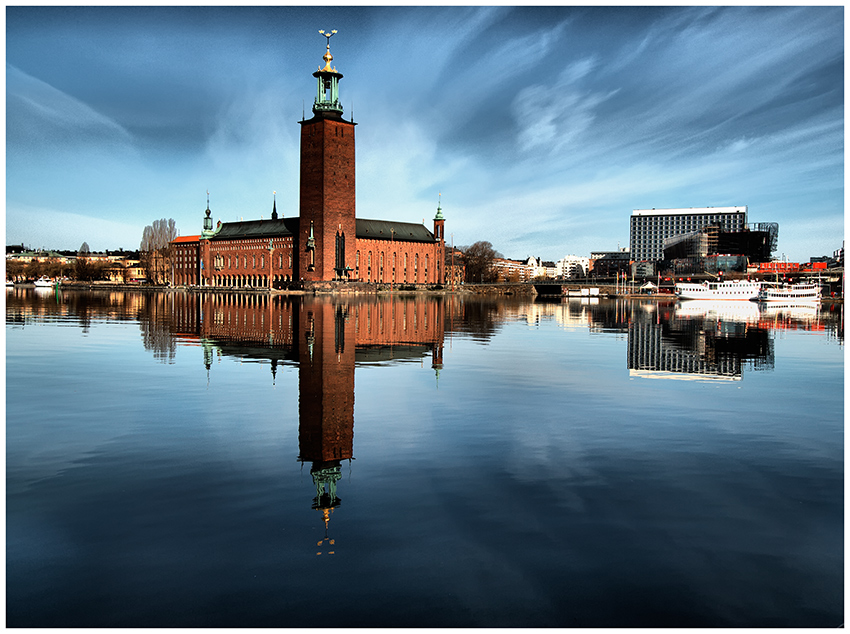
(698, 340)
(326, 340)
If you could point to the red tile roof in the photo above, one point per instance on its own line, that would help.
(187, 239)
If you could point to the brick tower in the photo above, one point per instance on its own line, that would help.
(327, 225)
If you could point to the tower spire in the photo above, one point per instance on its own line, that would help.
(207, 232)
(274, 206)
(439, 215)
(327, 93)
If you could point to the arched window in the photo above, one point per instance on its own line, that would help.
(340, 253)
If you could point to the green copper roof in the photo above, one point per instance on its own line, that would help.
(367, 229)
(257, 229)
(390, 230)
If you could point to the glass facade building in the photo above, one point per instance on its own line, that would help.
(649, 227)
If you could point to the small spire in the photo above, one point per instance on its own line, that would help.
(274, 206)
(327, 56)
(439, 215)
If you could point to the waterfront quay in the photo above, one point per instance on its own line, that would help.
(564, 289)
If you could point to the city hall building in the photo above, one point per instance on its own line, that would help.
(650, 227)
(327, 242)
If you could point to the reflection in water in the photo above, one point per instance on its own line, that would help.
(137, 506)
(699, 340)
(326, 339)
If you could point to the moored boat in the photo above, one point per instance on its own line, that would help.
(738, 290)
(791, 294)
(43, 282)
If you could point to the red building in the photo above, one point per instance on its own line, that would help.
(185, 260)
(327, 242)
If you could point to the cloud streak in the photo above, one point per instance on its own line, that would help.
(542, 127)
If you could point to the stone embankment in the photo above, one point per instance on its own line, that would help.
(345, 288)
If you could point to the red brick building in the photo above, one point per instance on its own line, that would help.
(327, 242)
(185, 260)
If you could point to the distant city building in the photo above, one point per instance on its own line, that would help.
(39, 256)
(507, 270)
(650, 227)
(714, 250)
(610, 263)
(572, 266)
(537, 267)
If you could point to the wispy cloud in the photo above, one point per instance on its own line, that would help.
(41, 118)
(551, 117)
(543, 127)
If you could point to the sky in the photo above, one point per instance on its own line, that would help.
(537, 129)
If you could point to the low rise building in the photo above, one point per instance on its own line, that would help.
(572, 266)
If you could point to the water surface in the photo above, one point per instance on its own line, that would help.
(175, 459)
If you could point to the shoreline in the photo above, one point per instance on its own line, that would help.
(490, 290)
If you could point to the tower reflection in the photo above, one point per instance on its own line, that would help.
(326, 339)
(698, 340)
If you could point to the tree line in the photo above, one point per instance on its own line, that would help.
(83, 268)
(155, 255)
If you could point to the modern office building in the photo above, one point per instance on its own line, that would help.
(649, 227)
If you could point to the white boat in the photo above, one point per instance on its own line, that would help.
(790, 294)
(43, 282)
(735, 290)
(9, 284)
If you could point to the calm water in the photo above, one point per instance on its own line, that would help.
(184, 460)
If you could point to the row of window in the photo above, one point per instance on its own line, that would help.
(228, 245)
(232, 261)
(380, 271)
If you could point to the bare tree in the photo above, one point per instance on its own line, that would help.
(478, 259)
(155, 249)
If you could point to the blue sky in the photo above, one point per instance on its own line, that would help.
(543, 128)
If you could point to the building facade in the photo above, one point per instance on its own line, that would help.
(650, 227)
(610, 263)
(572, 266)
(326, 242)
(185, 262)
